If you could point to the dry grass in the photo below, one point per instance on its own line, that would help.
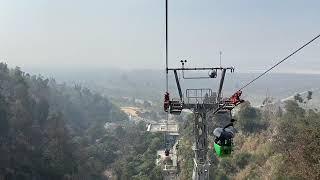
(263, 164)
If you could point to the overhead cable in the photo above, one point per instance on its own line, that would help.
(296, 51)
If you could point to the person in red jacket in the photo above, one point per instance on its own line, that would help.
(235, 99)
(166, 103)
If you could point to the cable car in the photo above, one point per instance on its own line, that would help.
(223, 150)
(223, 144)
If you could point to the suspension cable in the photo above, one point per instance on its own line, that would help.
(306, 44)
(166, 48)
(167, 80)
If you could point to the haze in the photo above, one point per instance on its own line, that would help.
(130, 34)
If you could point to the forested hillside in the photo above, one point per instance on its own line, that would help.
(57, 131)
(53, 131)
(271, 143)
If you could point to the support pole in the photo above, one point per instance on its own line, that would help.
(201, 164)
(167, 79)
(178, 85)
(223, 74)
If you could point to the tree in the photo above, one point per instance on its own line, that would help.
(298, 98)
(4, 121)
(55, 131)
(298, 140)
(293, 109)
(249, 119)
(58, 150)
(309, 96)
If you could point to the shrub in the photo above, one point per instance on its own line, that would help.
(242, 159)
(250, 120)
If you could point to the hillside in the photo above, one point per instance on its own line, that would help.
(271, 143)
(56, 131)
(52, 130)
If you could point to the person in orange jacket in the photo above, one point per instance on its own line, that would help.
(235, 98)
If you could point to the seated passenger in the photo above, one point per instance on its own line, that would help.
(225, 135)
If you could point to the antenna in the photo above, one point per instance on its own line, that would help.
(220, 54)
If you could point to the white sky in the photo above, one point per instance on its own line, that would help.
(130, 33)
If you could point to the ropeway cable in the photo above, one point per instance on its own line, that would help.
(296, 51)
(167, 80)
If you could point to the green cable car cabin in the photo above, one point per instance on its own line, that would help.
(223, 150)
(223, 144)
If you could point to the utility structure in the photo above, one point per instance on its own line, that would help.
(200, 102)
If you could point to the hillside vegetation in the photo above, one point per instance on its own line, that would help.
(53, 131)
(57, 131)
(272, 143)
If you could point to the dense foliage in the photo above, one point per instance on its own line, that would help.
(298, 140)
(139, 162)
(54, 131)
(249, 119)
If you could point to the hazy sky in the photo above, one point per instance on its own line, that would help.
(130, 33)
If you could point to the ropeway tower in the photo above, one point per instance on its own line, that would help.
(200, 101)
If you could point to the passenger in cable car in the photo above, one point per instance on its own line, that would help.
(223, 142)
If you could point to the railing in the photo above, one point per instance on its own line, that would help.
(204, 95)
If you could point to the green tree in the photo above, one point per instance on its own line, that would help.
(4, 118)
(250, 119)
(298, 98)
(309, 96)
(298, 140)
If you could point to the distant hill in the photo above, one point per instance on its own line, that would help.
(150, 84)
